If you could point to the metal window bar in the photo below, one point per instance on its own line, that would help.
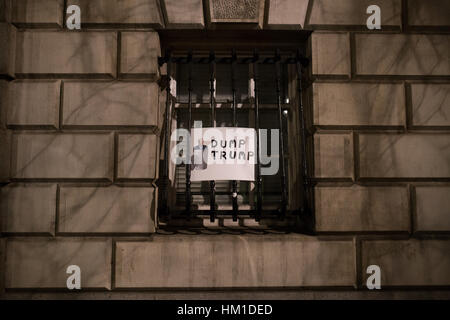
(189, 125)
(305, 210)
(212, 83)
(163, 181)
(233, 90)
(257, 213)
(280, 121)
(258, 162)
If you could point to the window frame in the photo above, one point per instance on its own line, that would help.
(170, 41)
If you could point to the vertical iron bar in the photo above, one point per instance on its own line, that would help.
(258, 164)
(189, 125)
(212, 184)
(281, 138)
(164, 180)
(306, 182)
(233, 88)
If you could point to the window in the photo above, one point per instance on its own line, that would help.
(209, 86)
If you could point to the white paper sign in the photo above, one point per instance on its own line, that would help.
(223, 154)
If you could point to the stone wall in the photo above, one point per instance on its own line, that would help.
(79, 132)
(381, 117)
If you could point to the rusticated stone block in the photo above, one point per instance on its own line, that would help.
(330, 54)
(404, 155)
(110, 104)
(106, 210)
(52, 156)
(333, 155)
(409, 262)
(432, 208)
(38, 13)
(5, 10)
(184, 13)
(357, 208)
(4, 93)
(430, 104)
(5, 135)
(359, 104)
(139, 55)
(34, 103)
(341, 13)
(428, 13)
(5, 155)
(137, 156)
(28, 208)
(118, 12)
(407, 54)
(2, 265)
(287, 14)
(44, 53)
(8, 36)
(228, 261)
(42, 263)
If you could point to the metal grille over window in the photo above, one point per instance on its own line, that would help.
(261, 91)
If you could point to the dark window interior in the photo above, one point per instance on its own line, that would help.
(200, 43)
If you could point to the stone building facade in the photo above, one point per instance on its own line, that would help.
(81, 122)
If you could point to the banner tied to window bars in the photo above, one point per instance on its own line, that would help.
(223, 153)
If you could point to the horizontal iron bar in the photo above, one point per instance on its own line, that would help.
(229, 60)
(241, 214)
(226, 193)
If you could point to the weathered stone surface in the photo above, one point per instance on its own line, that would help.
(118, 12)
(184, 13)
(432, 208)
(5, 135)
(330, 53)
(137, 156)
(2, 266)
(139, 55)
(51, 156)
(106, 210)
(359, 208)
(408, 54)
(428, 13)
(409, 262)
(229, 261)
(333, 155)
(110, 104)
(8, 36)
(42, 53)
(235, 14)
(42, 263)
(243, 10)
(287, 14)
(404, 155)
(5, 10)
(38, 13)
(350, 12)
(359, 104)
(430, 104)
(4, 90)
(28, 208)
(5, 155)
(34, 103)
